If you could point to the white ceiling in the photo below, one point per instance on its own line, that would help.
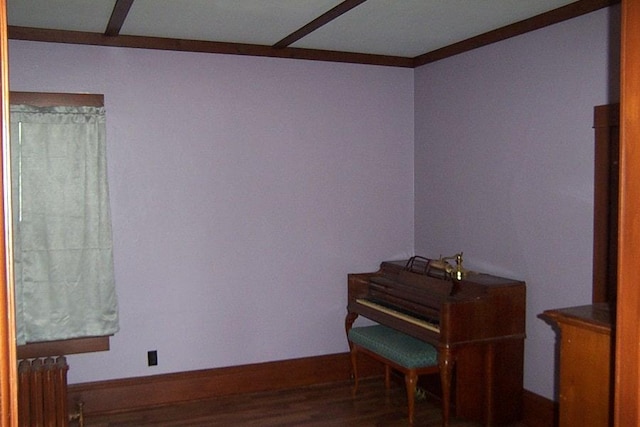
(403, 28)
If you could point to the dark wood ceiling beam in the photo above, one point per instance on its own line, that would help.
(323, 19)
(97, 39)
(119, 14)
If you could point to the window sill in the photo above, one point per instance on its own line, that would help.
(63, 347)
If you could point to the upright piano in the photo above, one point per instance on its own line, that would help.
(477, 323)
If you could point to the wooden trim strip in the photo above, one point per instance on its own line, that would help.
(569, 11)
(145, 392)
(51, 99)
(87, 38)
(605, 116)
(119, 14)
(63, 347)
(606, 119)
(8, 362)
(323, 19)
(113, 396)
(627, 351)
(555, 16)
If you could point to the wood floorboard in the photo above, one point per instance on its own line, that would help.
(330, 405)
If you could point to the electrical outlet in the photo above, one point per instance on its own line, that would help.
(152, 357)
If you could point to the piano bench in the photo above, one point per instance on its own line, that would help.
(395, 350)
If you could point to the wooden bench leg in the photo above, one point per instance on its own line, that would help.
(411, 380)
(354, 368)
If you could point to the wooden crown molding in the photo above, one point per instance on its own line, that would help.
(555, 16)
(160, 43)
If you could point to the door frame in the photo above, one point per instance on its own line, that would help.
(8, 363)
(627, 360)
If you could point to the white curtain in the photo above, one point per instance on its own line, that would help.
(63, 257)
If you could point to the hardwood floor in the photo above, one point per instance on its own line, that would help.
(320, 405)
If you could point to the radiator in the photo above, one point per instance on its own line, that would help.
(42, 392)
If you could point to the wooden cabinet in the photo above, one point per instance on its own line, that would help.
(585, 362)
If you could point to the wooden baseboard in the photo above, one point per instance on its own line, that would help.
(129, 394)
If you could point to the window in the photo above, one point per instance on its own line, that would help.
(62, 245)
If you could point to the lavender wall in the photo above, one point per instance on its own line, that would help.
(504, 164)
(243, 190)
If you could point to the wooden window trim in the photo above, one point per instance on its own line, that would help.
(605, 220)
(51, 99)
(76, 345)
(63, 347)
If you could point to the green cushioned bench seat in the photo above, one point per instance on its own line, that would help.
(395, 350)
(395, 346)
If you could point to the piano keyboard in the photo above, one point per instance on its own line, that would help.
(400, 315)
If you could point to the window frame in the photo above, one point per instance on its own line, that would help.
(76, 345)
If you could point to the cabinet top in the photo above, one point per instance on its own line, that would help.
(593, 316)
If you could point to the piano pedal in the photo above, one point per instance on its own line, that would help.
(421, 394)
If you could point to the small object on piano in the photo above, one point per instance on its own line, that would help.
(459, 272)
(418, 264)
(441, 268)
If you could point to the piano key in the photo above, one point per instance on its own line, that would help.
(395, 313)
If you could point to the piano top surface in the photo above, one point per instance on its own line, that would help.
(395, 267)
(479, 307)
(393, 274)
